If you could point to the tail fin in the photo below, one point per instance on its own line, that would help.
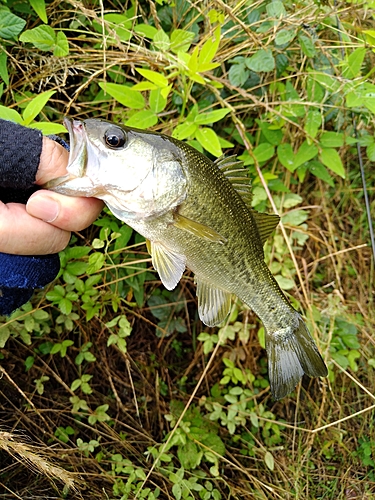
(291, 353)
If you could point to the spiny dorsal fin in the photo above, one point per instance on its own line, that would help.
(237, 175)
(213, 303)
(266, 224)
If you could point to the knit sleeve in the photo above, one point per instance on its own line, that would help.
(20, 150)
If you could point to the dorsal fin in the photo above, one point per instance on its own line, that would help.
(266, 224)
(237, 175)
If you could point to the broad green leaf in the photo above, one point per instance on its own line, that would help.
(352, 67)
(285, 155)
(305, 153)
(295, 217)
(10, 25)
(120, 24)
(211, 116)
(269, 460)
(284, 283)
(331, 159)
(141, 86)
(291, 200)
(184, 130)
(261, 61)
(42, 37)
(4, 68)
(276, 9)
(142, 119)
(284, 36)
(209, 140)
(313, 123)
(48, 128)
(238, 74)
(154, 77)
(161, 41)
(264, 152)
(145, 30)
(124, 95)
(35, 106)
(40, 8)
(320, 171)
(181, 40)
(157, 101)
(209, 49)
(96, 262)
(331, 139)
(62, 46)
(307, 45)
(273, 135)
(370, 150)
(327, 81)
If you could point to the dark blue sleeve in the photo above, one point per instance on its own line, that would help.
(20, 150)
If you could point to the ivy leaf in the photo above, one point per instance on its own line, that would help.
(10, 25)
(283, 37)
(124, 95)
(261, 61)
(331, 159)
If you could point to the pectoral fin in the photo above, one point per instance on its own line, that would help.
(213, 304)
(198, 229)
(168, 264)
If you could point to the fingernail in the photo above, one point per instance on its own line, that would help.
(43, 207)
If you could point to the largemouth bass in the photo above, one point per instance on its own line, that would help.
(194, 213)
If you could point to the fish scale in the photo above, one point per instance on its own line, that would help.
(195, 213)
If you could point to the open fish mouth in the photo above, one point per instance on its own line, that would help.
(78, 154)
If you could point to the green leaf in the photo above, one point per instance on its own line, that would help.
(276, 9)
(35, 106)
(331, 159)
(10, 25)
(157, 78)
(264, 152)
(10, 114)
(352, 67)
(261, 61)
(331, 139)
(145, 30)
(211, 117)
(284, 36)
(269, 460)
(120, 24)
(161, 41)
(40, 8)
(295, 217)
(157, 101)
(96, 262)
(62, 46)
(181, 40)
(285, 155)
(209, 140)
(313, 122)
(305, 153)
(4, 68)
(124, 95)
(48, 128)
(284, 283)
(307, 45)
(238, 75)
(208, 51)
(184, 130)
(42, 37)
(75, 384)
(142, 119)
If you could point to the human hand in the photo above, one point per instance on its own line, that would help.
(43, 226)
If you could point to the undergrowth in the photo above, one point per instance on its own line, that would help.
(110, 385)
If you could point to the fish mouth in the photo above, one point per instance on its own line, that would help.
(78, 154)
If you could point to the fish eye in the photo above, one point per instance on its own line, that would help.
(114, 137)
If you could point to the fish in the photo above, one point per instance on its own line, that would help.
(195, 213)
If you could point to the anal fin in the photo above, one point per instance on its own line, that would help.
(169, 265)
(213, 303)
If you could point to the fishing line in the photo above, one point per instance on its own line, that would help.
(359, 153)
